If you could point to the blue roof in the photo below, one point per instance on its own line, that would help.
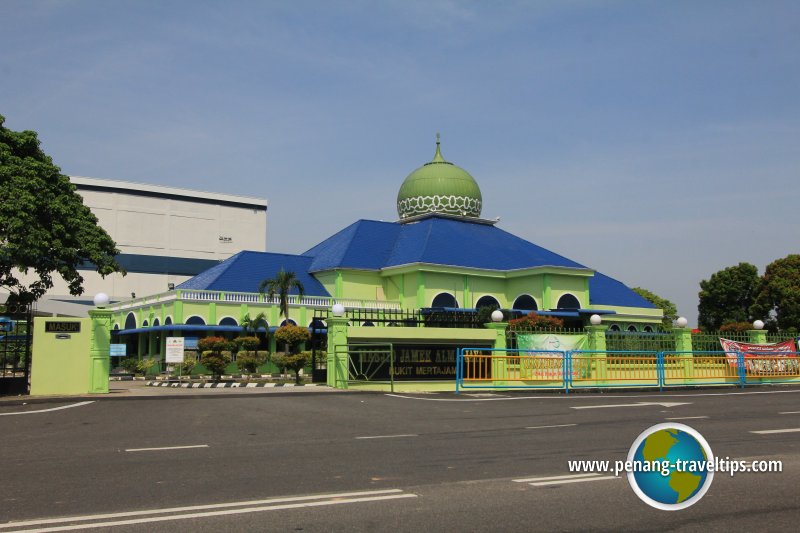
(245, 271)
(604, 290)
(372, 245)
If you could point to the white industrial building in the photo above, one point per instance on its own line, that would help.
(165, 235)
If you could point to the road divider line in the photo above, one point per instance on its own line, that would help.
(685, 417)
(790, 413)
(70, 406)
(565, 481)
(167, 448)
(555, 426)
(638, 404)
(555, 478)
(249, 503)
(770, 431)
(387, 436)
(336, 501)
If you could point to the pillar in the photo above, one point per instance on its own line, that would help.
(99, 350)
(757, 336)
(500, 358)
(683, 343)
(596, 336)
(337, 362)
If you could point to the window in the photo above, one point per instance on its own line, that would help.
(444, 300)
(292, 322)
(648, 329)
(195, 321)
(568, 301)
(526, 303)
(632, 328)
(487, 301)
(130, 321)
(613, 327)
(228, 321)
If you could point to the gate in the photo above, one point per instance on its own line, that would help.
(16, 331)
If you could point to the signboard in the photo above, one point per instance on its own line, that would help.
(190, 343)
(175, 347)
(412, 362)
(779, 357)
(52, 326)
(118, 350)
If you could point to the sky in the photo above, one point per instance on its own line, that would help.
(656, 142)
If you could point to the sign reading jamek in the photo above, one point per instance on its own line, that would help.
(175, 349)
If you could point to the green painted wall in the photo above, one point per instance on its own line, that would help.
(360, 285)
(61, 366)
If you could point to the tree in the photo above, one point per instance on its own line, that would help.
(251, 324)
(727, 296)
(282, 285)
(44, 226)
(216, 354)
(670, 311)
(778, 296)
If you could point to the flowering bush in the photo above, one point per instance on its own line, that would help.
(534, 321)
(292, 335)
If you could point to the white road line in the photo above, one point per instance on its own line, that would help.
(337, 501)
(554, 478)
(604, 396)
(564, 481)
(637, 404)
(70, 406)
(685, 417)
(387, 436)
(770, 431)
(556, 426)
(790, 413)
(166, 448)
(290, 499)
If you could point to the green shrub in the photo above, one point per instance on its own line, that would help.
(295, 362)
(534, 321)
(292, 336)
(735, 326)
(248, 362)
(189, 362)
(130, 364)
(215, 362)
(147, 365)
(247, 344)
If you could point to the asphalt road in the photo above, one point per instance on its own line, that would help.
(377, 462)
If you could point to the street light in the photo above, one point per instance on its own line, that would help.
(497, 315)
(101, 300)
(681, 322)
(758, 324)
(595, 320)
(338, 310)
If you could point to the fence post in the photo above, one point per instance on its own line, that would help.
(741, 368)
(99, 350)
(337, 336)
(757, 336)
(499, 365)
(597, 351)
(683, 345)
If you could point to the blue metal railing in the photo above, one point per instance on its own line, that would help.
(488, 368)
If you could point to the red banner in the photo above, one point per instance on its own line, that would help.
(763, 358)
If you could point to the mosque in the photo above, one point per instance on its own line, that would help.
(439, 257)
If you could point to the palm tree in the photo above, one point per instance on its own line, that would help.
(281, 285)
(251, 324)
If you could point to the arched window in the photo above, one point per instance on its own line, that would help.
(568, 301)
(368, 324)
(168, 321)
(316, 325)
(613, 327)
(632, 328)
(156, 322)
(526, 303)
(487, 301)
(228, 321)
(145, 324)
(195, 321)
(130, 321)
(648, 329)
(292, 322)
(444, 299)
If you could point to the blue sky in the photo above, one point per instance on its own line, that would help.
(656, 142)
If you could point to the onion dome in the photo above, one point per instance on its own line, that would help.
(439, 187)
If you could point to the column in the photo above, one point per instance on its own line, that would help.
(500, 358)
(597, 347)
(337, 362)
(99, 350)
(685, 360)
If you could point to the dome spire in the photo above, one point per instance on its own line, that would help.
(438, 157)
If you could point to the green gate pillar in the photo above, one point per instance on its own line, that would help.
(757, 336)
(596, 336)
(273, 344)
(499, 365)
(683, 343)
(99, 351)
(337, 360)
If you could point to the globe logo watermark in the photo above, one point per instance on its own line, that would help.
(671, 466)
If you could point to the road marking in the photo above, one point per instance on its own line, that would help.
(605, 396)
(556, 426)
(685, 417)
(247, 507)
(554, 478)
(770, 431)
(166, 448)
(564, 481)
(638, 404)
(70, 406)
(387, 436)
(790, 413)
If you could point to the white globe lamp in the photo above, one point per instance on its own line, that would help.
(101, 299)
(758, 324)
(338, 310)
(681, 322)
(595, 320)
(497, 315)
